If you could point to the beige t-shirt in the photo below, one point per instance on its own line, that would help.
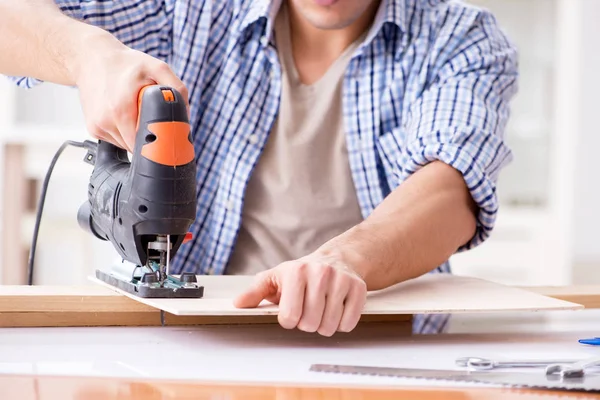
(301, 192)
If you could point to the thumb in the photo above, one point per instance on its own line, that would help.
(263, 288)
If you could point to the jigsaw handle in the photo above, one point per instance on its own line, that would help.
(130, 204)
(163, 131)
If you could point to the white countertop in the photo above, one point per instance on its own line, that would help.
(261, 353)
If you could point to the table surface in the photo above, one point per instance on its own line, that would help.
(270, 355)
(83, 388)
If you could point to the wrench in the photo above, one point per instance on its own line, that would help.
(574, 370)
(479, 363)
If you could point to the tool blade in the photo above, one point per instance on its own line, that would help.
(386, 371)
(531, 380)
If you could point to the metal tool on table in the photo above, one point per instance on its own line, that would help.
(572, 377)
(572, 370)
(478, 363)
(145, 206)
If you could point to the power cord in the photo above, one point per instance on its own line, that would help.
(91, 147)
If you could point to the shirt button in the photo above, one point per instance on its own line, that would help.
(253, 139)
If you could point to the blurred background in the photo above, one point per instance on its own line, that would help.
(546, 230)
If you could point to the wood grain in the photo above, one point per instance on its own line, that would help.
(53, 306)
(586, 295)
(428, 294)
(80, 388)
(118, 318)
(95, 305)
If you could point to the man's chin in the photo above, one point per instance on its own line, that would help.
(329, 23)
(329, 14)
(327, 19)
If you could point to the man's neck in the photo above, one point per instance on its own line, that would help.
(316, 49)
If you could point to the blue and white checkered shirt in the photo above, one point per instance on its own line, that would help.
(432, 81)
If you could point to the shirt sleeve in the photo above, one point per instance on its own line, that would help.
(144, 25)
(461, 115)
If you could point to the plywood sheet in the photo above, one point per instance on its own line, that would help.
(95, 305)
(428, 294)
(587, 295)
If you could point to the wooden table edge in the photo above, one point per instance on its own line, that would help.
(21, 306)
(64, 387)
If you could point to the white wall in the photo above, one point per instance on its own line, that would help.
(587, 177)
(43, 118)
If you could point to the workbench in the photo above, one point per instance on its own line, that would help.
(268, 362)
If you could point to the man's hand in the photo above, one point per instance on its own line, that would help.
(109, 79)
(38, 40)
(416, 228)
(315, 294)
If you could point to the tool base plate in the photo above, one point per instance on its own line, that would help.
(144, 291)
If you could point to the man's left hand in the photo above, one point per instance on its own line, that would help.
(315, 294)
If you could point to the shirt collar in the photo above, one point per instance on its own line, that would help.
(258, 10)
(390, 11)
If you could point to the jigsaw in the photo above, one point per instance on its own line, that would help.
(145, 206)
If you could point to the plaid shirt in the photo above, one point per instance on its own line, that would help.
(432, 81)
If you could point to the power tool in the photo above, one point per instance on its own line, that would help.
(144, 207)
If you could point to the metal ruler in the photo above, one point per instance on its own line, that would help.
(532, 380)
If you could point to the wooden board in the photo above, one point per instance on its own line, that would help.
(77, 306)
(97, 305)
(586, 295)
(428, 294)
(91, 319)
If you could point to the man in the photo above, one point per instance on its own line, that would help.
(342, 145)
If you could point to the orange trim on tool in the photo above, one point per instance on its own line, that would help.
(172, 146)
(140, 95)
(168, 95)
(188, 236)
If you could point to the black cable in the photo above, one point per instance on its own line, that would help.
(86, 144)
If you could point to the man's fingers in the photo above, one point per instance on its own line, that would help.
(126, 116)
(105, 127)
(117, 140)
(262, 289)
(335, 305)
(105, 136)
(291, 303)
(319, 277)
(127, 133)
(164, 75)
(353, 307)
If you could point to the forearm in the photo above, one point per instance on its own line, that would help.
(38, 40)
(414, 230)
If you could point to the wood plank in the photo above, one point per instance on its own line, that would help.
(91, 298)
(586, 295)
(428, 294)
(95, 305)
(73, 306)
(152, 318)
(25, 387)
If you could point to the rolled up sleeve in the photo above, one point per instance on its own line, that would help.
(144, 25)
(460, 118)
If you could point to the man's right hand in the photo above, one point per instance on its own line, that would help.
(109, 82)
(37, 40)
